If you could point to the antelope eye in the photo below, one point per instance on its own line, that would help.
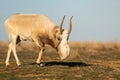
(59, 39)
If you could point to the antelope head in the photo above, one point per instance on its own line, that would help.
(63, 47)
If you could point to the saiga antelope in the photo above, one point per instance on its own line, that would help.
(40, 29)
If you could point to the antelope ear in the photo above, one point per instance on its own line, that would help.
(57, 33)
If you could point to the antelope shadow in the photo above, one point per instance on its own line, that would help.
(69, 64)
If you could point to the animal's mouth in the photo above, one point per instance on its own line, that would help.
(63, 51)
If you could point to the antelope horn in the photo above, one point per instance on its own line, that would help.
(62, 24)
(70, 29)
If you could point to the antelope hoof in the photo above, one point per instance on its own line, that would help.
(41, 64)
(7, 63)
(38, 62)
(18, 63)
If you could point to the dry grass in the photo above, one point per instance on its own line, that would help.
(96, 47)
(87, 61)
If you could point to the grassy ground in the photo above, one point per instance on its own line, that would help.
(87, 61)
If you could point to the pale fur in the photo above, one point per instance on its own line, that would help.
(35, 27)
(63, 46)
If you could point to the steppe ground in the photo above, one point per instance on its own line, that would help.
(87, 61)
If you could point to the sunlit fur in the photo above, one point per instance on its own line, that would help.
(35, 27)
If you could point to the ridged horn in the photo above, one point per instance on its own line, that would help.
(70, 29)
(62, 24)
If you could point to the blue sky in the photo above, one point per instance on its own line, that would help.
(93, 19)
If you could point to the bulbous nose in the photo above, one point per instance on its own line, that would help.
(64, 51)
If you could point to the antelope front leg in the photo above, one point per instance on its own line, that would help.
(39, 56)
(39, 43)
